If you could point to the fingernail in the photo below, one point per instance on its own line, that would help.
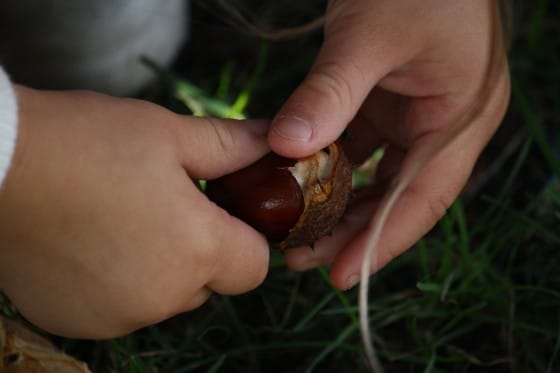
(351, 281)
(258, 127)
(292, 128)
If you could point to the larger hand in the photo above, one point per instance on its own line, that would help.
(102, 230)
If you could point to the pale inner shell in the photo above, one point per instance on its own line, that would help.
(311, 173)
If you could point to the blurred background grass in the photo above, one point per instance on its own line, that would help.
(480, 293)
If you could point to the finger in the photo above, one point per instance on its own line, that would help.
(326, 249)
(353, 58)
(194, 301)
(416, 212)
(221, 253)
(211, 251)
(425, 201)
(242, 262)
(210, 147)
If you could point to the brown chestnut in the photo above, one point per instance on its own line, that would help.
(292, 202)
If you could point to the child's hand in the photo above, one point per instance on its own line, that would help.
(102, 230)
(398, 72)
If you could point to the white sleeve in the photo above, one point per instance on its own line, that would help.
(8, 124)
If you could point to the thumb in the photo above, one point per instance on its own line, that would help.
(352, 59)
(211, 147)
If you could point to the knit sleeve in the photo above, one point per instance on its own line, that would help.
(8, 124)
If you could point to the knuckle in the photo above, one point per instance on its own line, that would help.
(331, 80)
(438, 206)
(387, 256)
(436, 202)
(209, 252)
(225, 139)
(196, 300)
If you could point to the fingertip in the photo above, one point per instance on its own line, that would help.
(346, 268)
(301, 259)
(292, 128)
(312, 118)
(244, 258)
(344, 277)
(346, 283)
(258, 127)
(292, 136)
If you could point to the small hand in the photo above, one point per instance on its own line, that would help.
(102, 230)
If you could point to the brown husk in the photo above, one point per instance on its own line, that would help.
(21, 350)
(326, 200)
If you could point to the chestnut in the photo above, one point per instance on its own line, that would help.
(292, 202)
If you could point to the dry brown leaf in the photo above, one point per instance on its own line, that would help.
(21, 350)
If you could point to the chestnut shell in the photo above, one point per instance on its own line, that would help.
(308, 212)
(327, 201)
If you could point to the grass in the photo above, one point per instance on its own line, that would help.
(480, 293)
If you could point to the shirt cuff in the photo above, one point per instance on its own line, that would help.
(8, 124)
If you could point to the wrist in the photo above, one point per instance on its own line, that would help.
(8, 124)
